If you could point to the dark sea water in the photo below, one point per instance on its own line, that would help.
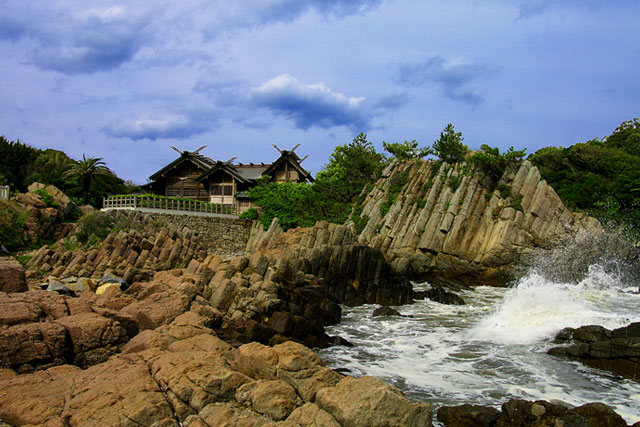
(493, 348)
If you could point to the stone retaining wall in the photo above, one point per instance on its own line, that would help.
(224, 236)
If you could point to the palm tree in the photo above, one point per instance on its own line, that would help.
(86, 169)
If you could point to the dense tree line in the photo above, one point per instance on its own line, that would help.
(600, 176)
(85, 181)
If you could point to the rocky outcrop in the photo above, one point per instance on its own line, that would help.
(39, 329)
(12, 276)
(180, 372)
(434, 219)
(524, 413)
(617, 350)
(32, 220)
(439, 294)
(142, 247)
(292, 283)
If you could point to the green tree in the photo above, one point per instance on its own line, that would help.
(492, 163)
(86, 169)
(406, 150)
(16, 160)
(49, 167)
(601, 176)
(449, 147)
(357, 163)
(330, 197)
(288, 201)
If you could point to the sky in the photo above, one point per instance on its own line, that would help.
(125, 81)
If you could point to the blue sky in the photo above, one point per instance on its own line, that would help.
(124, 81)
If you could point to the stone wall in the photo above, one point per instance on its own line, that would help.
(222, 236)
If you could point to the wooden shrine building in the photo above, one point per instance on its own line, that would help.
(195, 176)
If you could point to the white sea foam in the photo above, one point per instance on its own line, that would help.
(493, 348)
(536, 309)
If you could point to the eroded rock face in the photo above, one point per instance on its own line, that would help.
(292, 284)
(445, 222)
(39, 329)
(41, 221)
(615, 350)
(12, 276)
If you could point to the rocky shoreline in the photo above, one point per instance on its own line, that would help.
(189, 337)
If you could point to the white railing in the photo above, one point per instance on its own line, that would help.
(4, 192)
(146, 202)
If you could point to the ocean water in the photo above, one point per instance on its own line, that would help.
(494, 348)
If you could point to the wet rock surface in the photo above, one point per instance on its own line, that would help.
(617, 350)
(525, 413)
(439, 294)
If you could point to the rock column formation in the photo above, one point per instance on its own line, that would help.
(438, 219)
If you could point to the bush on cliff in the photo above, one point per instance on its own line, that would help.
(94, 227)
(12, 225)
(449, 147)
(406, 150)
(492, 163)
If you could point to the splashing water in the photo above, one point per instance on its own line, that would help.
(494, 348)
(537, 309)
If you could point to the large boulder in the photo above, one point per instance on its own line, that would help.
(615, 350)
(12, 276)
(368, 402)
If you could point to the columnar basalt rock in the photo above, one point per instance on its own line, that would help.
(446, 220)
(145, 247)
(292, 283)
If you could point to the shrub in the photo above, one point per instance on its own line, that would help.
(251, 213)
(360, 223)
(96, 225)
(454, 182)
(504, 189)
(384, 208)
(493, 164)
(12, 226)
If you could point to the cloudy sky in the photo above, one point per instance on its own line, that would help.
(124, 81)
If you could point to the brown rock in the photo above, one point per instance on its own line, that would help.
(273, 398)
(155, 304)
(311, 415)
(30, 345)
(225, 415)
(367, 401)
(12, 276)
(94, 338)
(38, 398)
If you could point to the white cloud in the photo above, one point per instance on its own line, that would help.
(310, 105)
